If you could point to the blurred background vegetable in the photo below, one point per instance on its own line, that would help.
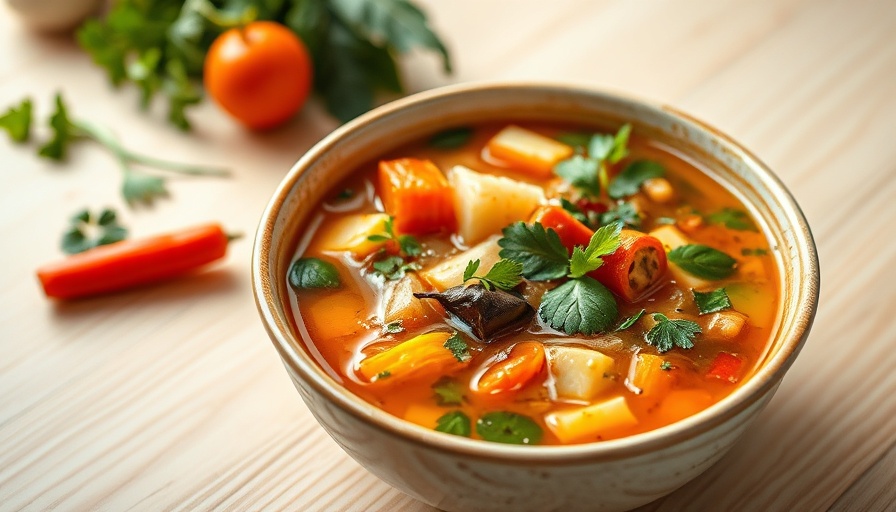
(54, 15)
(161, 46)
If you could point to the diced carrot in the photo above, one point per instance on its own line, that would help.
(423, 356)
(417, 194)
(680, 404)
(636, 266)
(525, 361)
(725, 367)
(650, 377)
(571, 231)
(528, 151)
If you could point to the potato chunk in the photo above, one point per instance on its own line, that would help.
(579, 373)
(350, 234)
(485, 204)
(672, 237)
(399, 303)
(450, 272)
(590, 421)
(725, 325)
(528, 151)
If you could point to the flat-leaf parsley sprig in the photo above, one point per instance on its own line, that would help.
(505, 274)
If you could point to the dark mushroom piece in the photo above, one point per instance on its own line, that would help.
(489, 314)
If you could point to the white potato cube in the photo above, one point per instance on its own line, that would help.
(590, 421)
(486, 204)
(579, 373)
(450, 272)
(671, 238)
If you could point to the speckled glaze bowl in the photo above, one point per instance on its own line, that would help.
(459, 474)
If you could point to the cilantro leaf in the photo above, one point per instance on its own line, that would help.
(603, 242)
(623, 212)
(732, 218)
(579, 306)
(104, 227)
(409, 245)
(142, 188)
(458, 347)
(629, 181)
(703, 261)
(630, 321)
(448, 392)
(509, 428)
(667, 333)
(574, 139)
(393, 268)
(540, 251)
(451, 138)
(17, 121)
(620, 144)
(580, 172)
(454, 422)
(393, 327)
(63, 133)
(710, 302)
(309, 273)
(666, 366)
(385, 374)
(505, 274)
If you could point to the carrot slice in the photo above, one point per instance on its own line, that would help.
(417, 194)
(571, 231)
(634, 269)
(525, 361)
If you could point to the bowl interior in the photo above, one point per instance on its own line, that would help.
(414, 117)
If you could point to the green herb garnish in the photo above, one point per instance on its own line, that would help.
(393, 327)
(577, 140)
(456, 423)
(580, 305)
(393, 268)
(540, 251)
(666, 366)
(87, 231)
(458, 347)
(589, 173)
(603, 242)
(509, 428)
(667, 333)
(732, 218)
(385, 374)
(710, 302)
(311, 273)
(623, 212)
(580, 172)
(703, 261)
(505, 274)
(629, 181)
(611, 148)
(630, 321)
(17, 121)
(448, 392)
(408, 244)
(451, 138)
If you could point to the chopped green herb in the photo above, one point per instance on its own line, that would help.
(710, 302)
(458, 347)
(703, 261)
(629, 181)
(393, 327)
(667, 333)
(509, 428)
(448, 392)
(17, 121)
(63, 133)
(505, 274)
(580, 172)
(575, 139)
(732, 218)
(393, 268)
(611, 148)
(451, 138)
(385, 374)
(310, 273)
(666, 366)
(753, 252)
(408, 244)
(603, 242)
(630, 321)
(87, 231)
(580, 305)
(454, 422)
(623, 212)
(540, 251)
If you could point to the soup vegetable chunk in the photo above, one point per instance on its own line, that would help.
(535, 284)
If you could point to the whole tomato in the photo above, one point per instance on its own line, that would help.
(260, 74)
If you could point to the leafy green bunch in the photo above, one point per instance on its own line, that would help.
(160, 45)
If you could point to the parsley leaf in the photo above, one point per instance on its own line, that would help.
(448, 392)
(63, 133)
(87, 231)
(308, 273)
(407, 243)
(732, 218)
(667, 333)
(454, 422)
(504, 274)
(703, 261)
(710, 302)
(629, 181)
(509, 428)
(580, 172)
(17, 121)
(666, 366)
(611, 148)
(393, 327)
(540, 251)
(630, 321)
(451, 138)
(574, 139)
(393, 268)
(603, 242)
(458, 347)
(579, 306)
(623, 212)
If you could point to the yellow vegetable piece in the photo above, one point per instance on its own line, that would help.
(528, 151)
(424, 356)
(579, 373)
(649, 376)
(450, 272)
(590, 421)
(350, 234)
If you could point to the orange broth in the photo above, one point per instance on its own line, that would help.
(342, 326)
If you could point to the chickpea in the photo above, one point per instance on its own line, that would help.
(658, 190)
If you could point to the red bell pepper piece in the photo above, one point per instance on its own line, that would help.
(725, 367)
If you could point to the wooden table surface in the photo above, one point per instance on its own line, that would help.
(173, 397)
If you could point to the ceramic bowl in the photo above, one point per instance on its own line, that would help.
(459, 474)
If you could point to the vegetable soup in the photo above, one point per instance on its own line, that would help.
(534, 283)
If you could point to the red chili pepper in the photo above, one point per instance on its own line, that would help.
(129, 263)
(725, 367)
(635, 267)
(571, 231)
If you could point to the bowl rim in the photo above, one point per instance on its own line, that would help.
(766, 377)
